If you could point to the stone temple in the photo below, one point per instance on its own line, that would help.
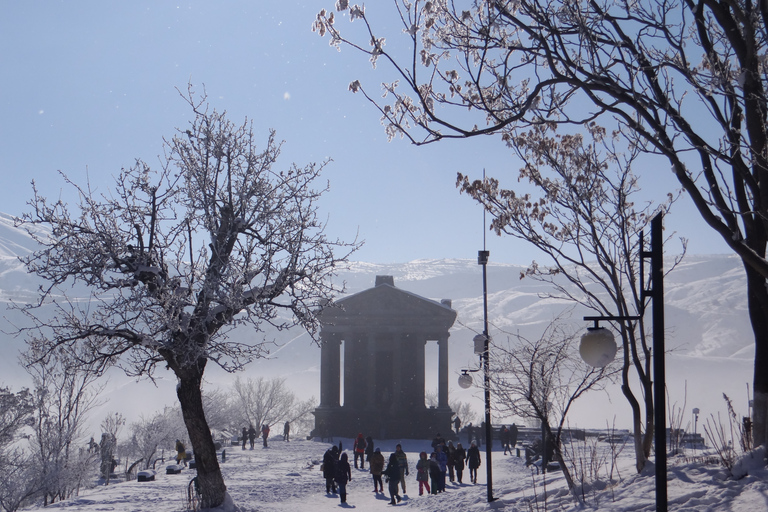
(381, 334)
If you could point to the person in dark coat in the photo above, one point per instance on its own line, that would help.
(329, 470)
(376, 463)
(473, 461)
(244, 435)
(393, 477)
(343, 475)
(437, 441)
(287, 431)
(251, 437)
(450, 451)
(458, 461)
(504, 438)
(434, 473)
(513, 432)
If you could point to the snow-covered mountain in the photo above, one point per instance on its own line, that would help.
(709, 338)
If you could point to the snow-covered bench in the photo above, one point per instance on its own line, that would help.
(173, 469)
(146, 475)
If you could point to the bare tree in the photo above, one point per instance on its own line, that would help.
(18, 483)
(177, 257)
(21, 482)
(463, 410)
(16, 410)
(581, 213)
(542, 379)
(684, 80)
(64, 395)
(262, 401)
(149, 435)
(111, 426)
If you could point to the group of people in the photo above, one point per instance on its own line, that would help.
(445, 461)
(250, 434)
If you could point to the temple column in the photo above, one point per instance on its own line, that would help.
(349, 370)
(408, 377)
(373, 354)
(330, 370)
(442, 371)
(420, 382)
(397, 371)
(355, 369)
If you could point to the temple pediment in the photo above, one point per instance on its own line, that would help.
(386, 305)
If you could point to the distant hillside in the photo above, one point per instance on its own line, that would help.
(708, 333)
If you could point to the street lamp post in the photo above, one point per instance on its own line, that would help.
(482, 342)
(482, 259)
(656, 293)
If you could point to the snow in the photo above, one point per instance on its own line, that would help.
(286, 477)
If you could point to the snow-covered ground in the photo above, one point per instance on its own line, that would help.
(286, 477)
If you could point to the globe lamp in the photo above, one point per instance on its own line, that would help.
(598, 347)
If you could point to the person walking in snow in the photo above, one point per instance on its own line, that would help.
(265, 433)
(343, 475)
(450, 450)
(181, 453)
(504, 438)
(422, 473)
(442, 460)
(513, 432)
(329, 470)
(402, 460)
(287, 431)
(458, 461)
(473, 461)
(359, 449)
(244, 435)
(251, 437)
(376, 463)
(393, 477)
(434, 473)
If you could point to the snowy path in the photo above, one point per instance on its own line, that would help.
(286, 477)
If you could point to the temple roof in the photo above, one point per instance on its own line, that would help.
(386, 307)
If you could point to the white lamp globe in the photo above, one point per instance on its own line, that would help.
(465, 380)
(598, 347)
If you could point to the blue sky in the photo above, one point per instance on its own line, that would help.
(89, 86)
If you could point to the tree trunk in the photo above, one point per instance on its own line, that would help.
(757, 302)
(641, 437)
(211, 482)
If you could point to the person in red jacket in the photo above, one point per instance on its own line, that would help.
(265, 433)
(359, 449)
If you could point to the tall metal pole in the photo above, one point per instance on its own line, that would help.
(656, 293)
(659, 378)
(482, 259)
